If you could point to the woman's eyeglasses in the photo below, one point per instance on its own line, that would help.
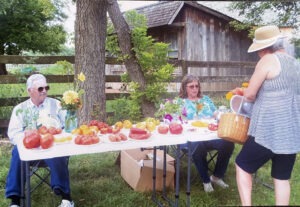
(193, 86)
(41, 89)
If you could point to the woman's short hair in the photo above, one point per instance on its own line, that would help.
(188, 79)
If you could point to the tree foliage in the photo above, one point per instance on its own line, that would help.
(281, 13)
(31, 25)
(152, 58)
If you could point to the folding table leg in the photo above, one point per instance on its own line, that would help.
(154, 197)
(22, 184)
(188, 187)
(177, 187)
(164, 173)
(27, 180)
(164, 190)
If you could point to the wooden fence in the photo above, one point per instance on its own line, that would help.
(215, 77)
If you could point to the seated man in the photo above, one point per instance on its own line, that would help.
(25, 116)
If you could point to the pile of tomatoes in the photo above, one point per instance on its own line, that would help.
(86, 139)
(42, 137)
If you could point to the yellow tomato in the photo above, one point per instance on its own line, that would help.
(83, 126)
(87, 132)
(127, 124)
(119, 124)
(141, 125)
(157, 122)
(150, 126)
(94, 128)
(76, 131)
(199, 124)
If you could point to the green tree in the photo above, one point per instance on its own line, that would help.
(152, 59)
(282, 13)
(34, 25)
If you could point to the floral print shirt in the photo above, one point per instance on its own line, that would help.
(202, 108)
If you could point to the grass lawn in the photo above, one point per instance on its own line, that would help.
(96, 182)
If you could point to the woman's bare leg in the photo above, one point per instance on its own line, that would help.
(244, 183)
(282, 192)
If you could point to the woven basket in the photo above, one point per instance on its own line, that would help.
(233, 127)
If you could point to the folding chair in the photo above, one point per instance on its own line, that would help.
(39, 169)
(211, 156)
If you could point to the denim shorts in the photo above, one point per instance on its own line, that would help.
(253, 156)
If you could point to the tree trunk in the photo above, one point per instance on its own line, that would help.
(133, 68)
(90, 35)
(3, 70)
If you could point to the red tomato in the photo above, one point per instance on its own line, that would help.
(53, 130)
(212, 127)
(78, 139)
(47, 141)
(31, 139)
(112, 138)
(43, 130)
(162, 129)
(86, 140)
(139, 136)
(104, 130)
(93, 123)
(123, 136)
(175, 128)
(238, 91)
(109, 129)
(58, 130)
(116, 130)
(95, 139)
(135, 130)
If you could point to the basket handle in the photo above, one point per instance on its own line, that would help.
(241, 104)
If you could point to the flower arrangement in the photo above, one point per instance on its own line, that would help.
(170, 108)
(71, 98)
(237, 91)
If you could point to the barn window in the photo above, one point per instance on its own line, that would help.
(171, 38)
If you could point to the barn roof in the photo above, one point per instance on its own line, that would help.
(164, 12)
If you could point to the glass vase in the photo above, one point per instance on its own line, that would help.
(70, 121)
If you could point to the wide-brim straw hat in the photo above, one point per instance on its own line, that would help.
(265, 37)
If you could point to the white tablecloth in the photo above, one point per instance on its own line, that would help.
(191, 134)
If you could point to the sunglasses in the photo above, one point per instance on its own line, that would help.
(193, 86)
(41, 89)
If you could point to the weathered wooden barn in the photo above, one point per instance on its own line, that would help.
(198, 33)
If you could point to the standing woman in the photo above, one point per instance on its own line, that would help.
(274, 127)
(198, 106)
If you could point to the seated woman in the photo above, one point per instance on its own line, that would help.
(198, 106)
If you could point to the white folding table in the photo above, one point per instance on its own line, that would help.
(156, 140)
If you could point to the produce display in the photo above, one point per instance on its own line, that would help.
(95, 132)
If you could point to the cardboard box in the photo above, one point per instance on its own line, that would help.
(137, 169)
